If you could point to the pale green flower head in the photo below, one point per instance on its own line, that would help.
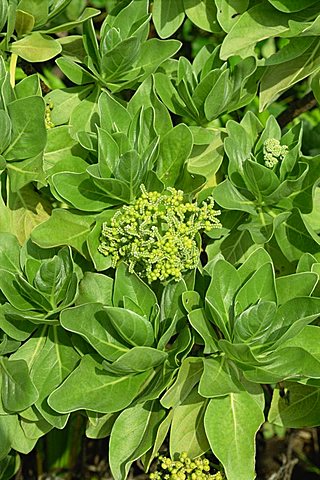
(158, 235)
(273, 151)
(184, 469)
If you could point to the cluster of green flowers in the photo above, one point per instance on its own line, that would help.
(273, 151)
(47, 118)
(156, 235)
(184, 469)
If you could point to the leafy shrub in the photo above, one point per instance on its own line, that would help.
(121, 300)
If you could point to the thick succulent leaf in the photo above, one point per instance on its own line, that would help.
(90, 387)
(231, 423)
(132, 435)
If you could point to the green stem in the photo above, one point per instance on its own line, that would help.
(13, 66)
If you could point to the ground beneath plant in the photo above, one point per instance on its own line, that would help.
(293, 456)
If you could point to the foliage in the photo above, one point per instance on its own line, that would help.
(176, 337)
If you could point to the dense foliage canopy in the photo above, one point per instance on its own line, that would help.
(159, 225)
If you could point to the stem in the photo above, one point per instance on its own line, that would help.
(13, 66)
(296, 108)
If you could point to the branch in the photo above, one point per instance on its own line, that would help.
(297, 108)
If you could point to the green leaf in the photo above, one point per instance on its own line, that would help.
(55, 361)
(24, 22)
(219, 378)
(74, 72)
(228, 12)
(187, 429)
(278, 78)
(56, 276)
(234, 247)
(114, 188)
(5, 130)
(231, 423)
(254, 261)
(90, 387)
(3, 14)
(65, 27)
(119, 60)
(167, 16)
(145, 96)
(306, 196)
(261, 180)
(90, 44)
(130, 170)
(26, 171)
(126, 18)
(188, 376)
(63, 153)
(28, 137)
(204, 327)
(15, 323)
(26, 209)
(9, 466)
(13, 436)
(133, 328)
(292, 317)
(18, 391)
(81, 192)
(260, 286)
(168, 94)
(295, 285)
(99, 425)
(253, 324)
(175, 148)
(9, 253)
(137, 359)
(295, 236)
(89, 321)
(64, 100)
(132, 435)
(219, 97)
(206, 158)
(286, 363)
(100, 261)
(308, 337)
(293, 49)
(63, 228)
(95, 287)
(159, 439)
(289, 6)
(6, 422)
(84, 115)
(229, 197)
(113, 115)
(36, 47)
(297, 407)
(220, 294)
(129, 284)
(72, 47)
(37, 8)
(258, 23)
(203, 14)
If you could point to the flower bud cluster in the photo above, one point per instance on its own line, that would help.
(47, 118)
(184, 469)
(273, 151)
(156, 235)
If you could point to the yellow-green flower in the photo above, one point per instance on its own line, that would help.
(185, 469)
(158, 234)
(273, 151)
